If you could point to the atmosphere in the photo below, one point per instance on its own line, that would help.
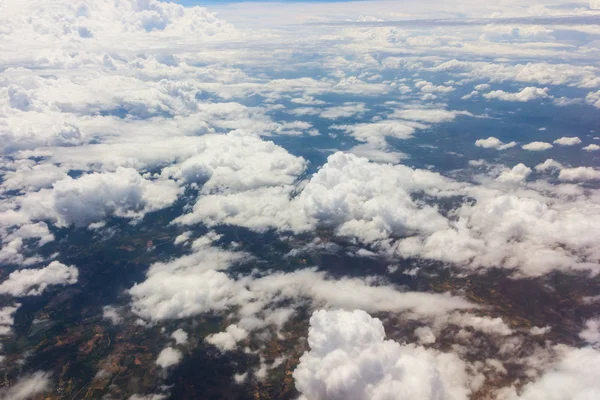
(300, 200)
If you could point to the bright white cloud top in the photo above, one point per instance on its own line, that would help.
(350, 358)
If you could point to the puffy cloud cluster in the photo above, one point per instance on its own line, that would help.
(228, 339)
(199, 283)
(525, 95)
(591, 332)
(568, 141)
(573, 376)
(33, 282)
(494, 143)
(541, 73)
(357, 198)
(236, 162)
(52, 25)
(168, 357)
(93, 197)
(513, 226)
(537, 146)
(349, 358)
(579, 174)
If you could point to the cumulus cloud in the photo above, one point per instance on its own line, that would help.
(93, 197)
(374, 203)
(592, 147)
(180, 336)
(517, 174)
(573, 376)
(348, 193)
(228, 339)
(168, 357)
(349, 358)
(494, 143)
(549, 165)
(567, 141)
(591, 332)
(148, 397)
(110, 313)
(27, 387)
(198, 284)
(579, 174)
(537, 146)
(525, 95)
(34, 282)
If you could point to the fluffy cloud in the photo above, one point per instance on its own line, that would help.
(93, 197)
(494, 143)
(579, 174)
(525, 230)
(591, 147)
(356, 197)
(180, 336)
(198, 283)
(374, 202)
(567, 141)
(168, 357)
(517, 174)
(33, 282)
(228, 339)
(349, 358)
(537, 146)
(548, 165)
(27, 387)
(574, 376)
(527, 94)
(591, 332)
(236, 162)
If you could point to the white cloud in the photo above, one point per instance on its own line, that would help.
(7, 318)
(537, 331)
(110, 313)
(148, 397)
(194, 285)
(548, 165)
(425, 335)
(579, 174)
(93, 197)
(33, 282)
(180, 336)
(345, 111)
(236, 162)
(527, 94)
(490, 326)
(518, 174)
(168, 357)
(228, 339)
(591, 332)
(494, 143)
(573, 376)
(27, 387)
(567, 141)
(591, 147)
(593, 98)
(434, 116)
(537, 146)
(349, 358)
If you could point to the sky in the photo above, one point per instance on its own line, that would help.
(471, 145)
